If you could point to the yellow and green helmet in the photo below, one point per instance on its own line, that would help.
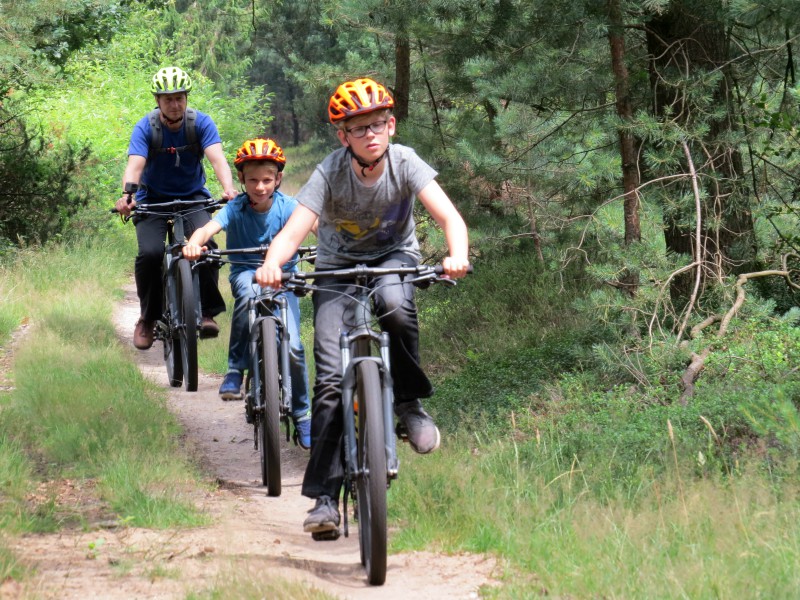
(171, 80)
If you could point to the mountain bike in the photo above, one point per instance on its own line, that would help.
(268, 386)
(180, 322)
(370, 452)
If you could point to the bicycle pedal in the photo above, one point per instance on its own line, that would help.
(331, 535)
(401, 432)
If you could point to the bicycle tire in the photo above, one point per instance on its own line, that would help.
(172, 347)
(371, 482)
(188, 321)
(269, 415)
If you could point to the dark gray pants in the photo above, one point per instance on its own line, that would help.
(333, 313)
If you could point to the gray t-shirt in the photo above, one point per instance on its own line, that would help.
(359, 223)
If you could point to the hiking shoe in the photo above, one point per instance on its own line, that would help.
(143, 334)
(208, 328)
(302, 431)
(323, 517)
(231, 386)
(416, 427)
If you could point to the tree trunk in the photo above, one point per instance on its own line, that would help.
(688, 45)
(402, 74)
(627, 142)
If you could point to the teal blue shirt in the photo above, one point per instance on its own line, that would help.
(246, 228)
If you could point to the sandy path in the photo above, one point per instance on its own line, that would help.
(250, 531)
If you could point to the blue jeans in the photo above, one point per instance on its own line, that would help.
(243, 290)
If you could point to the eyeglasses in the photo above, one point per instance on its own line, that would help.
(361, 130)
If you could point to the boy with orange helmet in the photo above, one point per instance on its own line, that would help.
(363, 195)
(252, 219)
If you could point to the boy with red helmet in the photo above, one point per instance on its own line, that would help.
(363, 195)
(252, 219)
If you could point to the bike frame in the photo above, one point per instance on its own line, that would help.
(356, 346)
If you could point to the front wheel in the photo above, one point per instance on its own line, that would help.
(173, 358)
(371, 480)
(187, 324)
(269, 413)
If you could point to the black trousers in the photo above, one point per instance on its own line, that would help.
(151, 233)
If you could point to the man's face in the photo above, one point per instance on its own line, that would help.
(372, 145)
(260, 179)
(172, 106)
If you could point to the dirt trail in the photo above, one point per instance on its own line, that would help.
(250, 531)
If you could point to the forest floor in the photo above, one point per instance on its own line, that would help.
(250, 533)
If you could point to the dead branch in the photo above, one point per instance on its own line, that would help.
(697, 363)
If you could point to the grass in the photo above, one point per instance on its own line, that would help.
(250, 582)
(79, 407)
(581, 483)
(674, 536)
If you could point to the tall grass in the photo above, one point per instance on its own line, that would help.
(673, 536)
(79, 408)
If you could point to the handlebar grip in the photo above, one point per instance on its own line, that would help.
(439, 269)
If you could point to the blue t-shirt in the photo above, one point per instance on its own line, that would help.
(170, 175)
(247, 228)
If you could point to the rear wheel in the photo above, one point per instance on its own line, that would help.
(188, 324)
(269, 416)
(371, 482)
(173, 358)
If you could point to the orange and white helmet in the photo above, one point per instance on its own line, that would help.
(358, 97)
(260, 149)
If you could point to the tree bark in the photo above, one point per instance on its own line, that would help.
(402, 74)
(689, 44)
(627, 142)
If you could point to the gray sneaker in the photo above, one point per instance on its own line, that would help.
(323, 517)
(417, 427)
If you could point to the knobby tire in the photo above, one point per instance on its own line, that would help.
(173, 359)
(371, 482)
(188, 320)
(269, 417)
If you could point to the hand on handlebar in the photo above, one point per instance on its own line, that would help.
(125, 205)
(269, 275)
(455, 268)
(192, 251)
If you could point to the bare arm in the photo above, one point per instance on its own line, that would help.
(222, 170)
(284, 246)
(132, 174)
(446, 215)
(196, 244)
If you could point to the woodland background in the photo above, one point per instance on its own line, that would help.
(628, 170)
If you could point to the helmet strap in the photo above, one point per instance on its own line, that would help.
(171, 121)
(365, 166)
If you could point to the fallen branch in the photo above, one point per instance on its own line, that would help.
(697, 363)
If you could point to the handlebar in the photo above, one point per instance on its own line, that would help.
(157, 208)
(422, 275)
(216, 254)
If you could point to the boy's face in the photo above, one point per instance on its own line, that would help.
(372, 145)
(260, 180)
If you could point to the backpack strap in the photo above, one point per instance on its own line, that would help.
(157, 136)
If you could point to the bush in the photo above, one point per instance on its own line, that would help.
(37, 182)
